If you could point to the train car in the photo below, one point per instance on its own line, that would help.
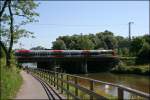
(71, 61)
(64, 53)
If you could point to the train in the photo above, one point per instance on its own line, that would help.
(64, 53)
(72, 61)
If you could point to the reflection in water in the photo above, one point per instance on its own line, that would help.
(138, 82)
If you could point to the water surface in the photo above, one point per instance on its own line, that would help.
(138, 82)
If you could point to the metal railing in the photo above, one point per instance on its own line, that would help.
(63, 82)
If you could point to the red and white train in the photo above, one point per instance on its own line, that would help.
(64, 53)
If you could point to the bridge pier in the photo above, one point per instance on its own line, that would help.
(84, 67)
(43, 65)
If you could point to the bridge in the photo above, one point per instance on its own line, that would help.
(71, 61)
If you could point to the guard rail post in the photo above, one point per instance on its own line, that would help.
(76, 89)
(62, 83)
(67, 86)
(120, 93)
(57, 81)
(49, 76)
(91, 88)
(54, 79)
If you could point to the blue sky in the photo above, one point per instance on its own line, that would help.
(58, 18)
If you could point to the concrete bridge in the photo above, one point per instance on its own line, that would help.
(71, 61)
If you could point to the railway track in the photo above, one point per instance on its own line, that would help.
(51, 93)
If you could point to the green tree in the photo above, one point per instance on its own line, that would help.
(106, 40)
(10, 31)
(85, 43)
(38, 48)
(136, 45)
(122, 45)
(59, 45)
(144, 52)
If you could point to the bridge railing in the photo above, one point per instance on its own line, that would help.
(70, 85)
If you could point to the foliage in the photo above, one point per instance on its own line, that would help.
(38, 48)
(59, 44)
(138, 47)
(132, 69)
(10, 80)
(109, 41)
(104, 40)
(22, 10)
(2, 53)
(11, 23)
(144, 54)
(85, 43)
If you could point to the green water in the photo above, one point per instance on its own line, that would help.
(138, 82)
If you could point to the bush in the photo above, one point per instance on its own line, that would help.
(128, 60)
(136, 69)
(144, 55)
(10, 81)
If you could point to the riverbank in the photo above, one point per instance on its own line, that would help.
(132, 69)
(128, 65)
(11, 80)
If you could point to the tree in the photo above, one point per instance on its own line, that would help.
(136, 45)
(85, 43)
(143, 55)
(10, 31)
(106, 40)
(3, 6)
(144, 52)
(110, 41)
(59, 44)
(38, 48)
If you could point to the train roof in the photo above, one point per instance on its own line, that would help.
(25, 51)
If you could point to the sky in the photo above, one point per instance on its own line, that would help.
(59, 18)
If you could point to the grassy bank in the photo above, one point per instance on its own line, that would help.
(10, 80)
(131, 69)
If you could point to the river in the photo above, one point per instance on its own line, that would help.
(138, 82)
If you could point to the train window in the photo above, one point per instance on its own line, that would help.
(47, 53)
(42, 54)
(32, 53)
(56, 53)
(75, 53)
(22, 54)
(16, 54)
(94, 53)
(85, 53)
(103, 52)
(66, 53)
